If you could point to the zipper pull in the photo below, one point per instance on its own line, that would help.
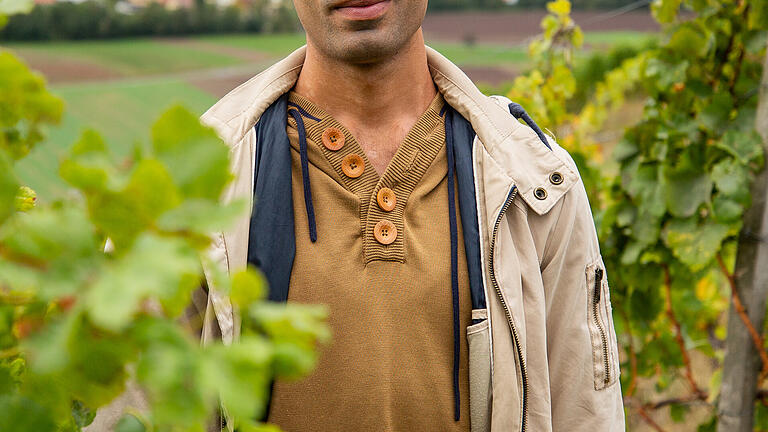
(598, 285)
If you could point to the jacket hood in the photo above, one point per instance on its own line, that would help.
(514, 147)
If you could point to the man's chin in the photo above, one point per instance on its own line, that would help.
(365, 49)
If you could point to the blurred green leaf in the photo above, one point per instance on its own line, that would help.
(154, 266)
(196, 158)
(689, 39)
(8, 187)
(124, 214)
(201, 216)
(745, 147)
(685, 191)
(239, 374)
(694, 244)
(129, 423)
(25, 104)
(23, 414)
(247, 287)
(665, 11)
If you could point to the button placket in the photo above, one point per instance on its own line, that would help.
(377, 205)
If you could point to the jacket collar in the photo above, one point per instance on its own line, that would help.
(515, 148)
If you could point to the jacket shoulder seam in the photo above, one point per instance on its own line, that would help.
(456, 86)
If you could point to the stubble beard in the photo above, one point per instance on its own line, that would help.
(366, 44)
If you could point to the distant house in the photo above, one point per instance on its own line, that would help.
(177, 4)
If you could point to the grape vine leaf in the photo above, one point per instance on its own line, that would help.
(694, 244)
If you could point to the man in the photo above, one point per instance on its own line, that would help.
(453, 245)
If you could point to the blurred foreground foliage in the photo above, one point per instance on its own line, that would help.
(77, 324)
(669, 202)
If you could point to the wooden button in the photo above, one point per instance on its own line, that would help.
(333, 139)
(353, 165)
(386, 199)
(385, 232)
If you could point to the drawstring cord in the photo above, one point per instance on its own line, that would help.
(518, 111)
(454, 263)
(305, 173)
(303, 111)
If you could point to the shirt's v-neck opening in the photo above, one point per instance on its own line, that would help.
(404, 156)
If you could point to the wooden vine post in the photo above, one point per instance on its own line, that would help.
(742, 370)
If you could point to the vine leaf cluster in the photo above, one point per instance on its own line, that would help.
(670, 195)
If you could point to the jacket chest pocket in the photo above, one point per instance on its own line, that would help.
(601, 329)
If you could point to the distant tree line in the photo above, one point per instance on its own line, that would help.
(96, 19)
(93, 19)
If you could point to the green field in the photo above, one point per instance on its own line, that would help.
(130, 57)
(466, 55)
(122, 112)
(148, 75)
(277, 44)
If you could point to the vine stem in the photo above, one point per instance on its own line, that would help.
(679, 335)
(632, 356)
(738, 306)
(643, 408)
(690, 399)
(646, 417)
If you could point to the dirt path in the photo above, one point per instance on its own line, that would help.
(65, 70)
(515, 28)
(240, 53)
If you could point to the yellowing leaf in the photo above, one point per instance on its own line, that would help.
(559, 7)
(247, 287)
(705, 288)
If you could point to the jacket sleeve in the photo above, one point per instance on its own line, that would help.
(582, 349)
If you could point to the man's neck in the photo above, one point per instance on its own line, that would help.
(375, 94)
(377, 102)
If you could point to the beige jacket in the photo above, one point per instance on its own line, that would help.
(547, 357)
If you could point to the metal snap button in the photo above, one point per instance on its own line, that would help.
(556, 178)
(540, 193)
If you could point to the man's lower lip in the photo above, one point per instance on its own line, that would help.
(364, 12)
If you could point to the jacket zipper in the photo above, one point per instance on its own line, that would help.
(523, 370)
(599, 323)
